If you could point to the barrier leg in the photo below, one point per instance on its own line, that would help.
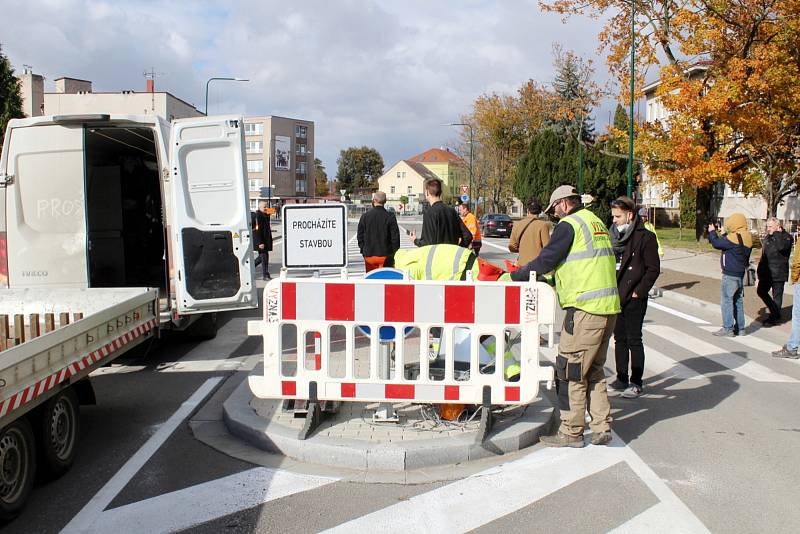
(314, 415)
(486, 416)
(385, 412)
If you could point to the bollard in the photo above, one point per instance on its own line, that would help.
(49, 322)
(4, 334)
(34, 328)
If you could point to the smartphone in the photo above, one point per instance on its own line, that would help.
(408, 232)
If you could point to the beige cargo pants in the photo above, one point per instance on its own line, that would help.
(581, 380)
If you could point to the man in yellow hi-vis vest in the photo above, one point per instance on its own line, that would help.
(581, 255)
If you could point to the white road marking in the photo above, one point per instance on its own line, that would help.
(489, 495)
(498, 247)
(721, 356)
(753, 342)
(239, 363)
(663, 367)
(186, 508)
(676, 313)
(85, 520)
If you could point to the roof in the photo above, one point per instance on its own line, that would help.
(71, 78)
(699, 66)
(436, 155)
(421, 169)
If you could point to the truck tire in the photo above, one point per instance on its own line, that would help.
(17, 467)
(205, 327)
(59, 432)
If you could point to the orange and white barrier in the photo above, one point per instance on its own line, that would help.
(304, 318)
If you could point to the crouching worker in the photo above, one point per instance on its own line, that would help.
(452, 262)
(581, 256)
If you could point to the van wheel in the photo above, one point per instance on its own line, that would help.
(60, 427)
(17, 467)
(205, 327)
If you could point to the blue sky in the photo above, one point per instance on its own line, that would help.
(386, 74)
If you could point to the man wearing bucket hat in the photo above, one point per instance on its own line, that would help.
(582, 258)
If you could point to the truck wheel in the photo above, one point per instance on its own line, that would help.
(17, 467)
(205, 327)
(60, 426)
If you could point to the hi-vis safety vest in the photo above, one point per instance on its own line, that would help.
(587, 279)
(649, 226)
(436, 262)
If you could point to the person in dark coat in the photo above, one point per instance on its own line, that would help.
(440, 223)
(262, 237)
(773, 269)
(378, 234)
(638, 267)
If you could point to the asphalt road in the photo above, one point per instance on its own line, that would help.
(711, 445)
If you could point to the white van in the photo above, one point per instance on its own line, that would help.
(129, 201)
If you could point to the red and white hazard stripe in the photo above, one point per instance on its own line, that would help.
(410, 392)
(42, 386)
(401, 302)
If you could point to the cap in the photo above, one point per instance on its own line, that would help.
(643, 212)
(561, 192)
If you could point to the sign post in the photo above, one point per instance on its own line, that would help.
(314, 236)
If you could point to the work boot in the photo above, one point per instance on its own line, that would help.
(559, 439)
(601, 438)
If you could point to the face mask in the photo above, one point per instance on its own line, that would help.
(622, 227)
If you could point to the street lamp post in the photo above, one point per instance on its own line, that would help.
(471, 143)
(221, 78)
(630, 118)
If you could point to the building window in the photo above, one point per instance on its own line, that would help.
(255, 147)
(300, 150)
(255, 185)
(300, 131)
(255, 165)
(253, 128)
(391, 189)
(410, 190)
(398, 174)
(300, 186)
(301, 167)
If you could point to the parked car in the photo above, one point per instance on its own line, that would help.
(496, 224)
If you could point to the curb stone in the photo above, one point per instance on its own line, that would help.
(507, 436)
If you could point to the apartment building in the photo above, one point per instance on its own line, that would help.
(280, 159)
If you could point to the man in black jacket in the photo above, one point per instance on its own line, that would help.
(773, 269)
(638, 267)
(378, 235)
(440, 223)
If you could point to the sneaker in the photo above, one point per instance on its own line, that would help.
(786, 353)
(618, 385)
(724, 332)
(601, 438)
(267, 277)
(560, 439)
(633, 391)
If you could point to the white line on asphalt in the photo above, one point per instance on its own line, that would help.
(189, 507)
(504, 249)
(753, 342)
(661, 366)
(676, 313)
(722, 356)
(84, 521)
(489, 495)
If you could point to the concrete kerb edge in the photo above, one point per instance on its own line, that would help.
(243, 422)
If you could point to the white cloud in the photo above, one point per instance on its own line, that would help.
(381, 73)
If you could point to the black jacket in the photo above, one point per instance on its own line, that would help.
(639, 265)
(378, 234)
(775, 252)
(262, 232)
(442, 225)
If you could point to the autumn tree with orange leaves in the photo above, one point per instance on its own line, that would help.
(739, 122)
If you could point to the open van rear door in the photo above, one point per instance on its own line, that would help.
(210, 227)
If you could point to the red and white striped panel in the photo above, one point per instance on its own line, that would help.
(361, 391)
(440, 303)
(21, 398)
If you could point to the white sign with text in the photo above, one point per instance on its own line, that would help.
(314, 236)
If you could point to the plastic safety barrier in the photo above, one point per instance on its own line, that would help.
(458, 342)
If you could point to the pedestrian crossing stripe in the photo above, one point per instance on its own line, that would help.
(721, 356)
